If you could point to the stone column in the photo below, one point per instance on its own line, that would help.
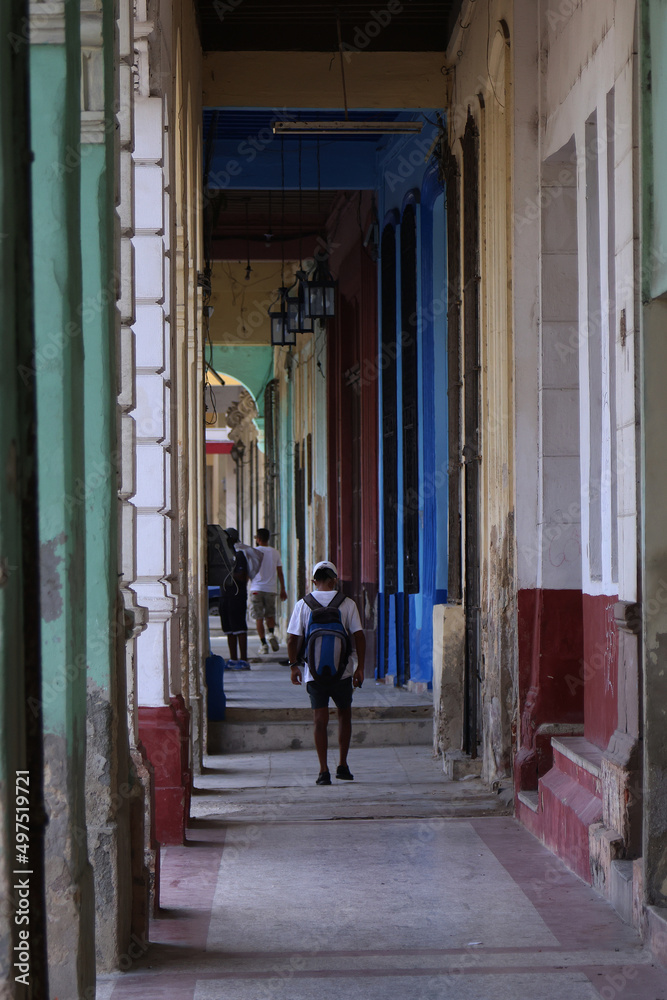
(162, 715)
(654, 481)
(240, 419)
(55, 115)
(145, 851)
(107, 759)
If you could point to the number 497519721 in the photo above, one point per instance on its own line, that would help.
(22, 820)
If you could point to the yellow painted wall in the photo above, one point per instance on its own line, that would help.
(290, 79)
(240, 307)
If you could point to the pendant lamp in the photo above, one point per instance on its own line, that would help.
(281, 334)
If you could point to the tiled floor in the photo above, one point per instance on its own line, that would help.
(382, 888)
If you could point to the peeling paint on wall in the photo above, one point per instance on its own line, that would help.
(50, 580)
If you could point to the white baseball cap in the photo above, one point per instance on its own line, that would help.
(325, 565)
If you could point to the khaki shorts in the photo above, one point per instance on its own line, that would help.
(262, 604)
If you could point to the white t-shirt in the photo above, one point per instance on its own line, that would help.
(267, 578)
(349, 616)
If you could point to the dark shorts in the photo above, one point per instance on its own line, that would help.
(232, 613)
(340, 693)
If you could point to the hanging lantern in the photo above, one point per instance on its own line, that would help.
(320, 293)
(281, 334)
(297, 318)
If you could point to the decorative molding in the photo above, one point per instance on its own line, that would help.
(135, 616)
(141, 67)
(46, 22)
(91, 29)
(93, 128)
(240, 416)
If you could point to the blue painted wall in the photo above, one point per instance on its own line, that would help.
(396, 168)
(406, 177)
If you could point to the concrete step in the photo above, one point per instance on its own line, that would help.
(531, 799)
(305, 713)
(570, 798)
(246, 730)
(582, 760)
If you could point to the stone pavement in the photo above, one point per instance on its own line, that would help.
(400, 884)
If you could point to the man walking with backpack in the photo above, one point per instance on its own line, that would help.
(264, 590)
(321, 655)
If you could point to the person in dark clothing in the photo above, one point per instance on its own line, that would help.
(233, 603)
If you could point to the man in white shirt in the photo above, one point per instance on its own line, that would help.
(325, 578)
(263, 589)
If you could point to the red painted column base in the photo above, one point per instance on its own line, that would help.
(164, 732)
(568, 708)
(571, 801)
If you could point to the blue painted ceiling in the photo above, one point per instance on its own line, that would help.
(237, 124)
(243, 153)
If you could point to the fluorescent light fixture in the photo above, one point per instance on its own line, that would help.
(345, 128)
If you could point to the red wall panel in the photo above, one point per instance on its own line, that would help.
(352, 409)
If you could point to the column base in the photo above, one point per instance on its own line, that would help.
(164, 732)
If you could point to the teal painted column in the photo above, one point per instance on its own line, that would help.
(20, 717)
(286, 543)
(108, 787)
(55, 116)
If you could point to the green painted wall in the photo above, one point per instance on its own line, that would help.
(58, 369)
(98, 493)
(251, 364)
(654, 147)
(287, 540)
(55, 115)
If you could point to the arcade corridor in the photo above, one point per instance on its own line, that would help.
(389, 279)
(287, 891)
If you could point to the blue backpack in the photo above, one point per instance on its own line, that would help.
(327, 645)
